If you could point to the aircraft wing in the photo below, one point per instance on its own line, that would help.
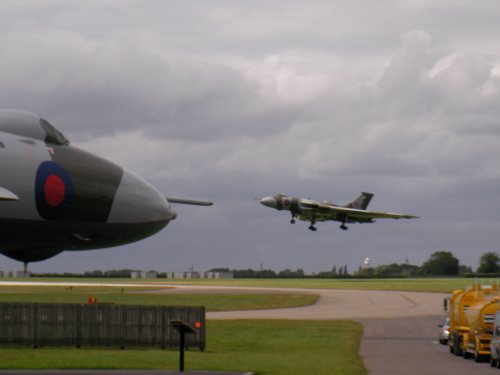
(376, 215)
(7, 195)
(352, 213)
(195, 202)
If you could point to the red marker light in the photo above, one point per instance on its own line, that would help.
(54, 190)
(197, 325)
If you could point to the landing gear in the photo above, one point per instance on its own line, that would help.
(343, 226)
(293, 219)
(312, 227)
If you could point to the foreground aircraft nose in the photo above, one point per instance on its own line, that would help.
(269, 202)
(137, 201)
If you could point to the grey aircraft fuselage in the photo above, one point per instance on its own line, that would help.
(314, 211)
(56, 197)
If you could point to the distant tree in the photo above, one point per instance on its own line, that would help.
(249, 273)
(288, 273)
(365, 272)
(463, 270)
(345, 272)
(95, 273)
(439, 264)
(334, 270)
(489, 263)
(119, 273)
(291, 274)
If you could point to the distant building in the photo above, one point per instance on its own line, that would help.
(197, 275)
(143, 275)
(219, 275)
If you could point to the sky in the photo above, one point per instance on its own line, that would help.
(234, 100)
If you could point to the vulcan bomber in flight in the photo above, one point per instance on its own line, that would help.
(56, 197)
(314, 211)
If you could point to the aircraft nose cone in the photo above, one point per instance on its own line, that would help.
(269, 202)
(137, 201)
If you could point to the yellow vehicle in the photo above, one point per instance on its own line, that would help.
(477, 338)
(460, 302)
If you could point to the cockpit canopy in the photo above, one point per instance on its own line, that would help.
(29, 125)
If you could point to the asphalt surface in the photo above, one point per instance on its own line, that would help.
(409, 345)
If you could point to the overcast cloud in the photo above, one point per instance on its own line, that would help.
(236, 100)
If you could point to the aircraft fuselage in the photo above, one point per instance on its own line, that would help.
(56, 197)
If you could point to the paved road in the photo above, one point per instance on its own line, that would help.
(409, 345)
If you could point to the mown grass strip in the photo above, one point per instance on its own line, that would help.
(273, 347)
(212, 302)
(444, 284)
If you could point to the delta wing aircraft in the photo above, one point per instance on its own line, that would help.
(314, 211)
(56, 197)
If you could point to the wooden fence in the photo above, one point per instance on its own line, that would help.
(94, 325)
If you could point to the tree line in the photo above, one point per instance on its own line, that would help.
(440, 263)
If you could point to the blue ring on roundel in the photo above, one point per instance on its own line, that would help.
(52, 208)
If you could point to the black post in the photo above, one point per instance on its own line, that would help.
(181, 351)
(182, 328)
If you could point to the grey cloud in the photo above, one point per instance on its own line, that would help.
(233, 101)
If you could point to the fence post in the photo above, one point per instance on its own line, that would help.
(78, 326)
(34, 311)
(163, 327)
(124, 328)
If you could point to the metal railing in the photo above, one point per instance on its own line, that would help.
(95, 325)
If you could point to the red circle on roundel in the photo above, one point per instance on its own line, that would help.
(54, 190)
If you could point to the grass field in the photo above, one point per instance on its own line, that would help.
(274, 347)
(150, 296)
(444, 285)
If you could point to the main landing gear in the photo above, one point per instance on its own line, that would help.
(312, 227)
(343, 227)
(293, 219)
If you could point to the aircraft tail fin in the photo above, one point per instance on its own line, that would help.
(361, 202)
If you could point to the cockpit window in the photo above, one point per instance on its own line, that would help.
(52, 134)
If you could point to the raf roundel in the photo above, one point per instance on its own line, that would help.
(53, 190)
